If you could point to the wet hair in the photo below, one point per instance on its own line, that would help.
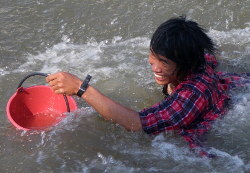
(184, 42)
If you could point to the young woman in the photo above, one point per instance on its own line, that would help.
(182, 60)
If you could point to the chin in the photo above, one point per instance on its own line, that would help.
(162, 82)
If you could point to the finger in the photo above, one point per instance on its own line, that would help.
(53, 82)
(55, 87)
(51, 77)
(59, 91)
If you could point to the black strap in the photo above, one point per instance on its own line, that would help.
(84, 86)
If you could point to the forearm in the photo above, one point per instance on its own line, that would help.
(111, 110)
(66, 83)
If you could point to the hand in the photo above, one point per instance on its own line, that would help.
(64, 83)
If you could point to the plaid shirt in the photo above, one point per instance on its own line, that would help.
(193, 105)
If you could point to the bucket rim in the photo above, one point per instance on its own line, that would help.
(8, 113)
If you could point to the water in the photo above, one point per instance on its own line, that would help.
(109, 40)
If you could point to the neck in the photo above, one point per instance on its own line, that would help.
(169, 88)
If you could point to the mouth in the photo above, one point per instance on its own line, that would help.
(159, 77)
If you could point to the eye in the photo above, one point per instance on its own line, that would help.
(164, 61)
(150, 60)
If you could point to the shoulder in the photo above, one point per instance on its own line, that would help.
(197, 84)
(211, 60)
(201, 85)
(188, 96)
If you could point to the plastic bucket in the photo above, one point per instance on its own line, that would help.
(37, 107)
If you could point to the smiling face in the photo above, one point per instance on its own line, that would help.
(164, 69)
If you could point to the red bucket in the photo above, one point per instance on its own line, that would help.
(37, 107)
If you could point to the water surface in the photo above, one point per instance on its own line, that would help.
(110, 40)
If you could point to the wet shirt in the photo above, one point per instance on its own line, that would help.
(193, 105)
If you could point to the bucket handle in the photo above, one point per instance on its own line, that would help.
(45, 75)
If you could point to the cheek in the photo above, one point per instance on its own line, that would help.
(170, 71)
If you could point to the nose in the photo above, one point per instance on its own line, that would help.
(156, 68)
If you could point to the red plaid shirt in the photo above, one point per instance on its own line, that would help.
(193, 105)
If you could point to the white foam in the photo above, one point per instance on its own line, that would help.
(230, 163)
(105, 59)
(4, 71)
(234, 36)
(165, 149)
(237, 117)
(41, 156)
(233, 44)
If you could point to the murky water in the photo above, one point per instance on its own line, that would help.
(109, 40)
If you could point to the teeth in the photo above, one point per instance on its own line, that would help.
(156, 75)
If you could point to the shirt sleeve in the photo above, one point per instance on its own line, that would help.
(176, 111)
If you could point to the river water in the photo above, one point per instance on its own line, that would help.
(109, 39)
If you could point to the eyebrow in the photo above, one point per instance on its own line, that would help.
(163, 59)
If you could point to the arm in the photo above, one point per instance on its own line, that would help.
(65, 83)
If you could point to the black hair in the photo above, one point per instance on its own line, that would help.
(184, 42)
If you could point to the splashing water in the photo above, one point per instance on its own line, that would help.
(59, 36)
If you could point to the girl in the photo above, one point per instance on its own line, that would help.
(182, 60)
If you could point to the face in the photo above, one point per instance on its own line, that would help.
(164, 69)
